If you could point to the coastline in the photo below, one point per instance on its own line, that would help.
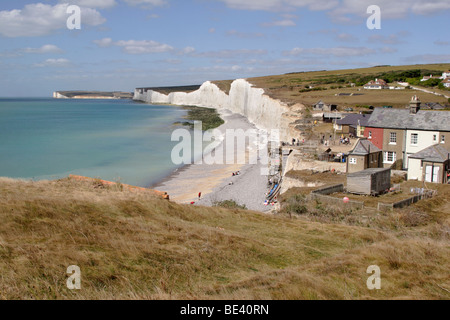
(216, 181)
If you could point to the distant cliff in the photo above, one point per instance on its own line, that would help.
(91, 95)
(263, 111)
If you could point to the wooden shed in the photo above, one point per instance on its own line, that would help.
(373, 181)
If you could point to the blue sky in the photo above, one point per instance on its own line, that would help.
(125, 44)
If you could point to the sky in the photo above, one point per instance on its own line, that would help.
(124, 44)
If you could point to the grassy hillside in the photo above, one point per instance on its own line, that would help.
(293, 87)
(135, 246)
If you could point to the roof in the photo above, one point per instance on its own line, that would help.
(353, 118)
(435, 153)
(434, 106)
(402, 119)
(364, 147)
(367, 172)
(379, 82)
(332, 115)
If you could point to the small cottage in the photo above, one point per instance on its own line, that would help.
(430, 165)
(365, 155)
(373, 181)
(322, 106)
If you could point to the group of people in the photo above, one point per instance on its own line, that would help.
(345, 140)
(236, 173)
(266, 203)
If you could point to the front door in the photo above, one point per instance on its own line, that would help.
(432, 175)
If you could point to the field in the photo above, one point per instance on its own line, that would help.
(287, 87)
(132, 245)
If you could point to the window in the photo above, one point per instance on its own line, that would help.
(442, 139)
(393, 138)
(434, 138)
(390, 157)
(370, 134)
(414, 138)
(352, 160)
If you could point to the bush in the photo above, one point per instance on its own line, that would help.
(229, 204)
(296, 205)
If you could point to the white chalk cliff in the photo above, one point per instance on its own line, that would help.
(266, 113)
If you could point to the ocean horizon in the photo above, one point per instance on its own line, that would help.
(115, 140)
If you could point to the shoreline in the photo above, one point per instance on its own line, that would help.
(216, 181)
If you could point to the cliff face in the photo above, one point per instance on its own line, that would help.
(266, 113)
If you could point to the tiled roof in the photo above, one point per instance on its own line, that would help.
(402, 119)
(436, 153)
(364, 147)
(352, 119)
(380, 82)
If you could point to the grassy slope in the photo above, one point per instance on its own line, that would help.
(286, 87)
(131, 245)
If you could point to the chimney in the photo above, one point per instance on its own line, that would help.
(414, 105)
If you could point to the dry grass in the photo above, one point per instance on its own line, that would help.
(135, 246)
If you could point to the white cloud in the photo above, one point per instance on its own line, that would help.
(245, 35)
(57, 63)
(100, 4)
(41, 19)
(346, 37)
(105, 42)
(340, 9)
(48, 48)
(135, 46)
(143, 46)
(391, 39)
(280, 23)
(230, 54)
(442, 43)
(149, 3)
(336, 51)
(187, 50)
(388, 50)
(429, 58)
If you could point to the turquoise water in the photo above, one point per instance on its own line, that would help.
(116, 140)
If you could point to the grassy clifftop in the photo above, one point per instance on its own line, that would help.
(330, 85)
(136, 246)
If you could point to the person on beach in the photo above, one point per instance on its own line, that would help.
(199, 195)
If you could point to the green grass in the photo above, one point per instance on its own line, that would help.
(209, 117)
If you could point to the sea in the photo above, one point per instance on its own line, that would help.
(116, 140)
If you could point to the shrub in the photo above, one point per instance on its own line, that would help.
(229, 204)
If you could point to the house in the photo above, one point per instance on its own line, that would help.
(426, 78)
(354, 124)
(403, 132)
(446, 83)
(331, 116)
(376, 84)
(430, 165)
(364, 155)
(446, 75)
(322, 106)
(373, 181)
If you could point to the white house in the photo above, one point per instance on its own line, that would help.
(446, 75)
(446, 83)
(418, 140)
(377, 84)
(426, 78)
